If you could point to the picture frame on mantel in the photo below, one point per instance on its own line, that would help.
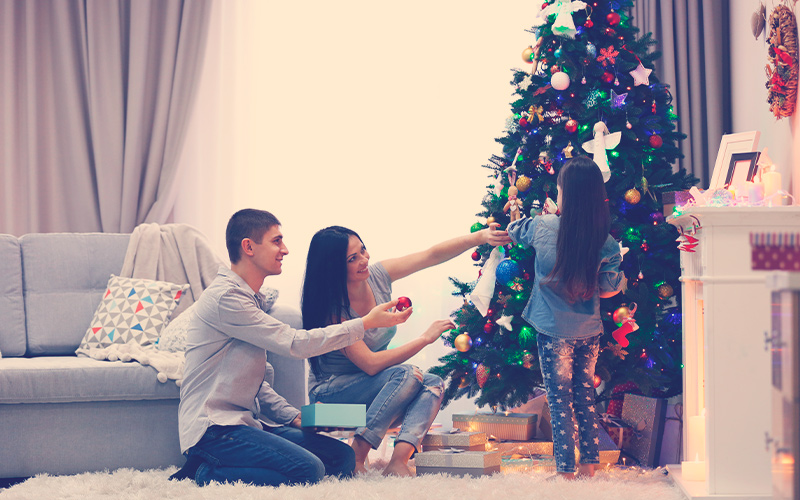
(742, 169)
(743, 142)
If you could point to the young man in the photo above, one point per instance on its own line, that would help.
(233, 425)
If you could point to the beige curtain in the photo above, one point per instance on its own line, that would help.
(95, 97)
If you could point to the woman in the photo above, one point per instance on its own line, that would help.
(339, 285)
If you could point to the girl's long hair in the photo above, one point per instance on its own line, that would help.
(325, 300)
(583, 229)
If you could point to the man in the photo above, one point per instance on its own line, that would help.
(233, 425)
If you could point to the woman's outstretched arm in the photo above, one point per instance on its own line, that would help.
(373, 362)
(401, 267)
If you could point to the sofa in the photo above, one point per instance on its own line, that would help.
(66, 414)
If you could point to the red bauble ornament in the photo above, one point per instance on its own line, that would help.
(612, 19)
(523, 122)
(487, 328)
(588, 23)
(526, 276)
(476, 256)
(571, 126)
(610, 32)
(607, 77)
(656, 141)
(403, 303)
(597, 381)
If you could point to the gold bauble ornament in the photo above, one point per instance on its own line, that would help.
(526, 55)
(620, 314)
(633, 196)
(665, 291)
(523, 183)
(463, 342)
(464, 383)
(489, 220)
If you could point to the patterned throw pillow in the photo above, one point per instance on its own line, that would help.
(133, 310)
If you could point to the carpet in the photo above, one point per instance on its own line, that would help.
(512, 483)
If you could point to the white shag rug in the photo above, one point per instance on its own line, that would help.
(128, 484)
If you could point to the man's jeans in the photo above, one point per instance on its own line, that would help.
(398, 392)
(270, 457)
(568, 372)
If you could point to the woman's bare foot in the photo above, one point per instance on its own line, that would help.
(397, 469)
(398, 464)
(585, 470)
(361, 448)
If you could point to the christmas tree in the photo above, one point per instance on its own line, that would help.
(588, 89)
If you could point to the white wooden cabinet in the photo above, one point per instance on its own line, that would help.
(726, 314)
(784, 345)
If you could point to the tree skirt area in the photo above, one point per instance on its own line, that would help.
(613, 483)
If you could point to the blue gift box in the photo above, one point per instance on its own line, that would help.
(341, 416)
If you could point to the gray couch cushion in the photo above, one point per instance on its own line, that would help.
(65, 277)
(12, 313)
(65, 379)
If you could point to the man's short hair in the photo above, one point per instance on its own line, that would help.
(247, 223)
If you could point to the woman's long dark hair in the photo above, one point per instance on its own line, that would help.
(583, 228)
(325, 300)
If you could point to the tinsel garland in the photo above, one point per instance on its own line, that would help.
(782, 62)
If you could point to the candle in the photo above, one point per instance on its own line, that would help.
(772, 184)
(697, 437)
(755, 192)
(694, 470)
(732, 190)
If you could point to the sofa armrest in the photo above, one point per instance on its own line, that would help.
(291, 375)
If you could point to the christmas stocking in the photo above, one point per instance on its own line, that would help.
(620, 334)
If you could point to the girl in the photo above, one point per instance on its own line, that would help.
(577, 263)
(340, 284)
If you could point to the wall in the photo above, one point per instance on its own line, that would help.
(749, 95)
(379, 117)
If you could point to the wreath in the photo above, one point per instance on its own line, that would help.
(782, 62)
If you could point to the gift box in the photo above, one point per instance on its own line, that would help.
(521, 448)
(458, 462)
(671, 199)
(672, 441)
(474, 441)
(609, 451)
(775, 251)
(619, 431)
(646, 416)
(505, 426)
(537, 405)
(341, 416)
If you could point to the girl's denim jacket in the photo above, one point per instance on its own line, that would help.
(547, 311)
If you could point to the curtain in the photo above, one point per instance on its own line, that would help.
(96, 97)
(694, 39)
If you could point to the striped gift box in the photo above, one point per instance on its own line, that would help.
(511, 426)
(474, 441)
(775, 251)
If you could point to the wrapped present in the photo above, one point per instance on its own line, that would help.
(672, 199)
(458, 462)
(775, 251)
(672, 441)
(609, 451)
(475, 441)
(646, 416)
(341, 416)
(511, 426)
(537, 405)
(619, 431)
(521, 448)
